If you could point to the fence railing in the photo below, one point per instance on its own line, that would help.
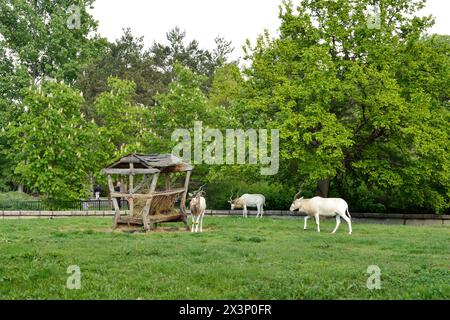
(41, 205)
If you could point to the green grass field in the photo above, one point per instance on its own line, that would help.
(233, 259)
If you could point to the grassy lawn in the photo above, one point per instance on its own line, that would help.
(233, 259)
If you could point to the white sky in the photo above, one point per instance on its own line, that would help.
(236, 20)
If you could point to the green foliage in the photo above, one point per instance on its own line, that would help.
(151, 69)
(226, 86)
(42, 42)
(52, 143)
(190, 55)
(179, 107)
(354, 103)
(362, 110)
(124, 125)
(125, 59)
(36, 44)
(17, 201)
(15, 196)
(278, 197)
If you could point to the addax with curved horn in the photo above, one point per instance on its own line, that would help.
(200, 191)
(198, 207)
(231, 196)
(299, 192)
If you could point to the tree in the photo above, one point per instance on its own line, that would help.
(12, 81)
(356, 104)
(52, 144)
(179, 107)
(128, 60)
(125, 125)
(151, 69)
(190, 55)
(45, 37)
(39, 40)
(226, 86)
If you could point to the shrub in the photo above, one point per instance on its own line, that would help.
(278, 197)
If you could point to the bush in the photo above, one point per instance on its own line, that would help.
(16, 201)
(278, 197)
(15, 196)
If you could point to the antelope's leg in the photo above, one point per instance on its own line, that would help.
(317, 222)
(349, 222)
(201, 222)
(306, 222)
(338, 222)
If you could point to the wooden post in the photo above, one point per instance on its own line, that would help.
(130, 190)
(146, 209)
(131, 180)
(166, 181)
(114, 201)
(183, 199)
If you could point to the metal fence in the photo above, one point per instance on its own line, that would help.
(41, 205)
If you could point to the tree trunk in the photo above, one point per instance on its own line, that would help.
(322, 188)
(20, 188)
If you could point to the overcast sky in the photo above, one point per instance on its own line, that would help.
(236, 20)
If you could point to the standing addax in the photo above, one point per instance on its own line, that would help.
(249, 200)
(327, 207)
(198, 207)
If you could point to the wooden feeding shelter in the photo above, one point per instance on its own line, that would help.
(150, 201)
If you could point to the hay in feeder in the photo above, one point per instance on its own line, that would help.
(160, 205)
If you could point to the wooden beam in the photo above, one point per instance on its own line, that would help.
(185, 190)
(110, 185)
(115, 203)
(146, 209)
(183, 199)
(130, 179)
(130, 171)
(166, 181)
(140, 185)
(147, 195)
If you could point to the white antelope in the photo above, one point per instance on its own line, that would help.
(249, 200)
(327, 207)
(197, 205)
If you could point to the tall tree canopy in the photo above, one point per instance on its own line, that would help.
(125, 125)
(52, 144)
(151, 69)
(44, 36)
(361, 101)
(39, 40)
(359, 106)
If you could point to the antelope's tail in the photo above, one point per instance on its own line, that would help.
(348, 213)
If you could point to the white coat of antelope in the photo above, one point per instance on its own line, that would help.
(249, 200)
(197, 205)
(327, 207)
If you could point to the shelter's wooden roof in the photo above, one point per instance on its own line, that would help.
(148, 163)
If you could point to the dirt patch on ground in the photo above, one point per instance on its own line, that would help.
(126, 229)
(131, 229)
(72, 229)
